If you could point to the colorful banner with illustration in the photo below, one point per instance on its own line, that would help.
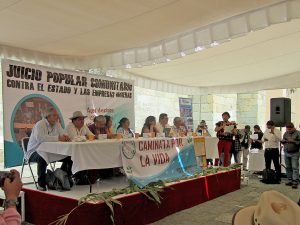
(151, 160)
(186, 112)
(29, 89)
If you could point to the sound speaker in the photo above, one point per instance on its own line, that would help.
(280, 111)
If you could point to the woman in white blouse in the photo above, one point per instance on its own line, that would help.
(123, 128)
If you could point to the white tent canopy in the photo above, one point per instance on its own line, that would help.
(139, 33)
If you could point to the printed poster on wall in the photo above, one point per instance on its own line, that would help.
(186, 112)
(152, 160)
(29, 89)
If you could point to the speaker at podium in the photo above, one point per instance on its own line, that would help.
(280, 111)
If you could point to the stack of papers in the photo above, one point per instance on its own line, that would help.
(254, 136)
(228, 129)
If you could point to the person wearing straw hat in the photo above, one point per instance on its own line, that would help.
(77, 128)
(273, 208)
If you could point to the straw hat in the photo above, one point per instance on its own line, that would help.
(77, 114)
(273, 208)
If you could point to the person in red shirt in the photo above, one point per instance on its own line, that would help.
(225, 132)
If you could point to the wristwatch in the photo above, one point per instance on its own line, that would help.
(11, 202)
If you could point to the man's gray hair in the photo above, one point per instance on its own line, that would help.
(100, 118)
(177, 119)
(49, 111)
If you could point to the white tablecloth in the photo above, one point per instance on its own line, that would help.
(85, 155)
(206, 146)
(99, 154)
(211, 147)
(257, 161)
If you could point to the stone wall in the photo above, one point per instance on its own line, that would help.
(247, 108)
(152, 103)
(224, 103)
(211, 107)
(196, 110)
(250, 108)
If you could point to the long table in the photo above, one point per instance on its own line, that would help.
(85, 155)
(257, 161)
(97, 154)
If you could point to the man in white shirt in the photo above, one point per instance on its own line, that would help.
(162, 123)
(77, 128)
(46, 130)
(271, 138)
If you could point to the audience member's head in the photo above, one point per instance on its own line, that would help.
(290, 127)
(182, 122)
(100, 121)
(247, 128)
(163, 119)
(51, 115)
(272, 208)
(225, 116)
(270, 124)
(150, 120)
(177, 122)
(124, 123)
(78, 119)
(203, 124)
(108, 121)
(256, 128)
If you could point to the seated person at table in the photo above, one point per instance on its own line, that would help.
(46, 130)
(110, 133)
(99, 126)
(162, 123)
(184, 127)
(149, 126)
(123, 127)
(77, 128)
(177, 130)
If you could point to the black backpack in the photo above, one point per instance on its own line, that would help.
(86, 177)
(58, 180)
(269, 177)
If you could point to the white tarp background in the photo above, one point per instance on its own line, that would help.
(173, 47)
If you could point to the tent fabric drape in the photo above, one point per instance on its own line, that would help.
(287, 81)
(170, 48)
(175, 47)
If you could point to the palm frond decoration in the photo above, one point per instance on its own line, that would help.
(152, 191)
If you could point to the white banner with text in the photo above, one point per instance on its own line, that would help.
(29, 89)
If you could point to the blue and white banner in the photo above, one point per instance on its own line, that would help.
(151, 160)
